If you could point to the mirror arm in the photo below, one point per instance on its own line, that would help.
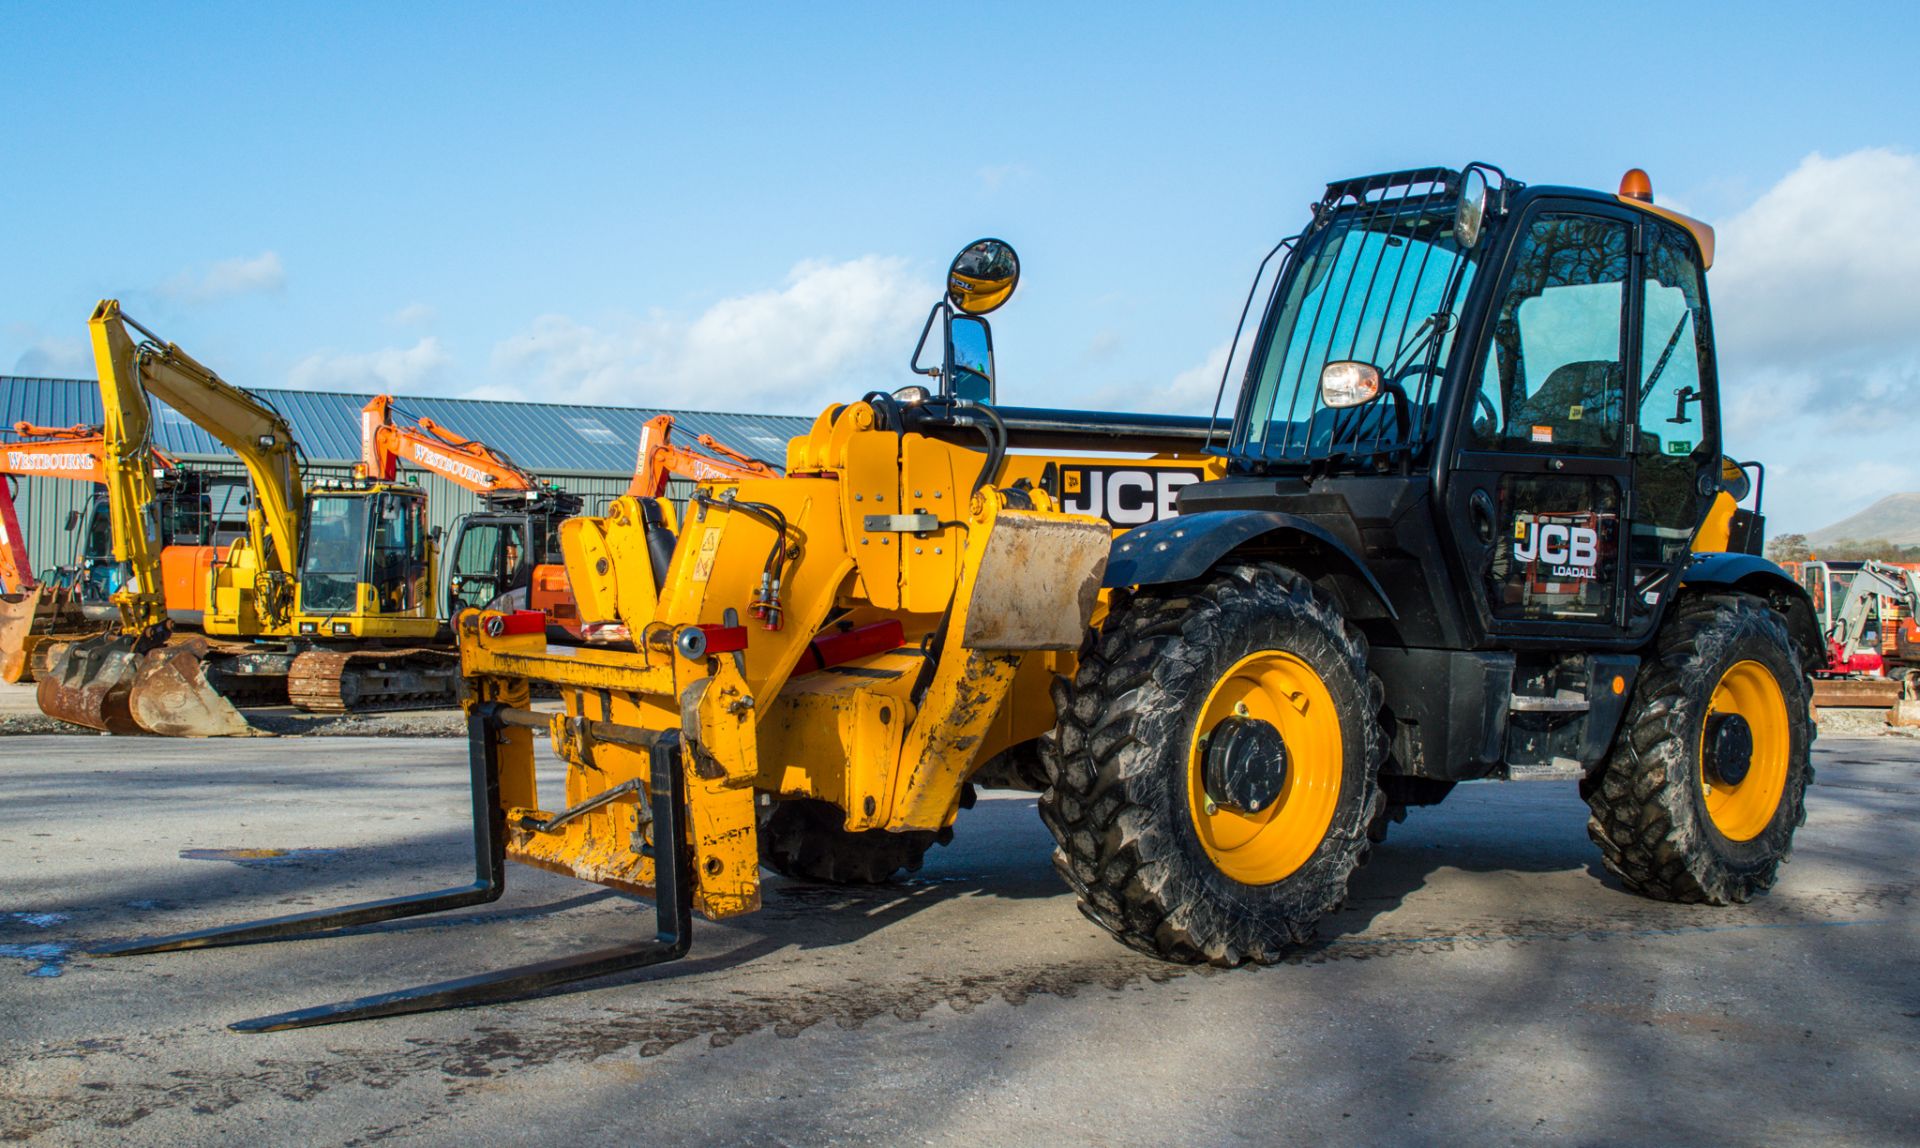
(1680, 401)
(913, 364)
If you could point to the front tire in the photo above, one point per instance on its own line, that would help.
(1176, 846)
(1707, 780)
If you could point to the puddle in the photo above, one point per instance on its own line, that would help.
(49, 960)
(258, 857)
(39, 920)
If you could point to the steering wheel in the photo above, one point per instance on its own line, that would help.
(1484, 428)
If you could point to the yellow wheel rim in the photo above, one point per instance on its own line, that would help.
(1741, 811)
(1267, 846)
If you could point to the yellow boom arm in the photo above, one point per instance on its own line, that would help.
(130, 371)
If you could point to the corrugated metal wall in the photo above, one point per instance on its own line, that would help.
(587, 450)
(43, 503)
(539, 436)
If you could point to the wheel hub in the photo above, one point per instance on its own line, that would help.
(1246, 764)
(1729, 749)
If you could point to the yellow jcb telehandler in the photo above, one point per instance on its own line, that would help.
(1475, 523)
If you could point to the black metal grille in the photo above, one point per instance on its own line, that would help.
(1378, 278)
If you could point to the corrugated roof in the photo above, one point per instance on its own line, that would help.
(546, 437)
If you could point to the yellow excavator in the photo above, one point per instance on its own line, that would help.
(324, 602)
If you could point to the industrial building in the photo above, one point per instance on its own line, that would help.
(587, 450)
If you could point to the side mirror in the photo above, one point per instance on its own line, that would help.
(1472, 209)
(1349, 383)
(969, 364)
(983, 276)
(73, 521)
(434, 535)
(980, 279)
(1734, 479)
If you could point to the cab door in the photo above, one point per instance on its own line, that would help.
(1676, 445)
(1538, 496)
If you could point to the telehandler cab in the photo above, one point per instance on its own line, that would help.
(1474, 522)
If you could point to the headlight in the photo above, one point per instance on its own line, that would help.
(1347, 383)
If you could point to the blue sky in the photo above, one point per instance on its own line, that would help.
(750, 207)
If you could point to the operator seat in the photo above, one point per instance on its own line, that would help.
(1581, 401)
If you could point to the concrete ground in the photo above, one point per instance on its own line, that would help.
(1488, 983)
(20, 714)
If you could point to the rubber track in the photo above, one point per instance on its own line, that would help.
(315, 681)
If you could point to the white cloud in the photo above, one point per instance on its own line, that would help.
(1190, 392)
(1827, 259)
(407, 370)
(996, 176)
(833, 330)
(48, 356)
(414, 315)
(1819, 336)
(228, 278)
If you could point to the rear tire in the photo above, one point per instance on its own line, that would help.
(1664, 826)
(1155, 859)
(808, 840)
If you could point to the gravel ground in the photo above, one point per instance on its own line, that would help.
(20, 715)
(1488, 983)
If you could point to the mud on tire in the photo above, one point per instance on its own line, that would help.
(808, 841)
(1118, 766)
(1649, 801)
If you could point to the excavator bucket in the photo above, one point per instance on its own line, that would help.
(88, 682)
(16, 629)
(31, 618)
(172, 697)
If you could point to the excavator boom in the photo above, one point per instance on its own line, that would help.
(424, 443)
(660, 458)
(97, 682)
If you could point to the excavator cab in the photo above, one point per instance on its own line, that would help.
(92, 574)
(366, 561)
(489, 562)
(507, 557)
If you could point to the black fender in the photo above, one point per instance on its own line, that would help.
(1752, 574)
(1185, 547)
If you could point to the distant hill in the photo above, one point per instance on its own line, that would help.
(1895, 518)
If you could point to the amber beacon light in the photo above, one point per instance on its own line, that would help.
(1636, 185)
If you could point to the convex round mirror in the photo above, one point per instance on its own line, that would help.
(983, 275)
(1734, 479)
(1472, 209)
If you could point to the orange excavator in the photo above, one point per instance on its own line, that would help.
(31, 611)
(661, 458)
(195, 513)
(507, 556)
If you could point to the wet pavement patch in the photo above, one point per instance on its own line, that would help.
(48, 960)
(258, 856)
(38, 920)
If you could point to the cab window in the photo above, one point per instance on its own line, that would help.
(1676, 377)
(1555, 379)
